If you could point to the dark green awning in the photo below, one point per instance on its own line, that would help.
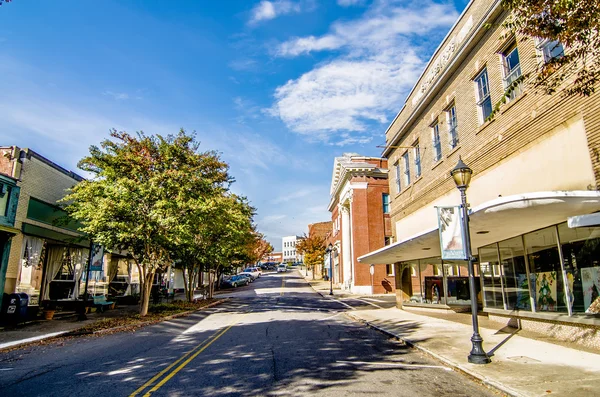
(38, 231)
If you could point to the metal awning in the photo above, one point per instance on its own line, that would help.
(496, 220)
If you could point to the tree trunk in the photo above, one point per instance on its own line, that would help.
(146, 291)
(186, 287)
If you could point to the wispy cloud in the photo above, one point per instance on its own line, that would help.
(339, 99)
(119, 96)
(267, 10)
(295, 195)
(348, 3)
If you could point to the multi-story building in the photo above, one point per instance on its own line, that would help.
(359, 207)
(288, 244)
(48, 256)
(9, 199)
(536, 169)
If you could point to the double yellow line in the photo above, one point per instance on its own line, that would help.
(180, 363)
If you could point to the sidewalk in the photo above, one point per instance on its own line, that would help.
(38, 330)
(323, 287)
(521, 366)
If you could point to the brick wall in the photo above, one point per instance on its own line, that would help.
(523, 122)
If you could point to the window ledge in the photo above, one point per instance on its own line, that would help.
(512, 103)
(437, 164)
(557, 317)
(484, 125)
(418, 179)
(453, 151)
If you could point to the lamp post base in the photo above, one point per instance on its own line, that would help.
(478, 355)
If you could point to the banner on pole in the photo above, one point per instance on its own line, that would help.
(452, 233)
(97, 258)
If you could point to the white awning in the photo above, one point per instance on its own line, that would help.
(496, 220)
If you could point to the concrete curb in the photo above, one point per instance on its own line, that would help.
(455, 366)
(53, 335)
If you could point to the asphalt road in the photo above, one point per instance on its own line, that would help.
(273, 337)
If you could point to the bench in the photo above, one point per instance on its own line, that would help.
(101, 304)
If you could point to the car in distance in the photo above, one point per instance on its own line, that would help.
(253, 271)
(235, 281)
(247, 276)
(282, 268)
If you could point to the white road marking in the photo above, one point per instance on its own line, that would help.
(6, 369)
(374, 300)
(367, 302)
(343, 303)
(393, 364)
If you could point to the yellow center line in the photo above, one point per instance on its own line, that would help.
(202, 346)
(282, 285)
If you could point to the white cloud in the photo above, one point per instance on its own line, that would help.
(348, 3)
(119, 96)
(267, 10)
(377, 66)
(293, 195)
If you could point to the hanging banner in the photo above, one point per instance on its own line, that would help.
(452, 234)
(97, 258)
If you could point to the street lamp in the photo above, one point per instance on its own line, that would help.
(329, 251)
(462, 176)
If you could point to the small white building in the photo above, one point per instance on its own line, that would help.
(288, 248)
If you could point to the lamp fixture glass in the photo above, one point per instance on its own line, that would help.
(461, 174)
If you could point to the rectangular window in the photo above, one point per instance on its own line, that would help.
(437, 144)
(387, 241)
(398, 184)
(389, 269)
(549, 50)
(406, 159)
(512, 72)
(484, 101)
(386, 203)
(452, 124)
(417, 159)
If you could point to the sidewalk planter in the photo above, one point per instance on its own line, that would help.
(48, 314)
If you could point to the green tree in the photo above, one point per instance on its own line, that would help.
(141, 189)
(573, 23)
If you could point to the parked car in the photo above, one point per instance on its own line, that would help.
(282, 268)
(247, 276)
(254, 271)
(235, 281)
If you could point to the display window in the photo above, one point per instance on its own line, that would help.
(491, 277)
(581, 255)
(514, 274)
(545, 271)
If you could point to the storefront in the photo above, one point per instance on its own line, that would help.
(9, 198)
(531, 262)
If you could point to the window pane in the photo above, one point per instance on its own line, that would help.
(457, 276)
(490, 270)
(516, 285)
(545, 269)
(418, 295)
(406, 169)
(512, 60)
(581, 252)
(417, 160)
(486, 108)
(432, 280)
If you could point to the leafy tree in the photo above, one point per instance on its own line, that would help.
(214, 238)
(313, 248)
(573, 23)
(141, 190)
(258, 248)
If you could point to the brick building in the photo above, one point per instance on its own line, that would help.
(276, 257)
(323, 230)
(359, 207)
(535, 166)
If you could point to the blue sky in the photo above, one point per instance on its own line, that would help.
(278, 87)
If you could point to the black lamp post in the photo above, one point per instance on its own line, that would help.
(462, 176)
(329, 250)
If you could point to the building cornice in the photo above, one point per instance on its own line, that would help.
(471, 39)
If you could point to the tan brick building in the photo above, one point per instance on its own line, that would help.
(535, 163)
(359, 207)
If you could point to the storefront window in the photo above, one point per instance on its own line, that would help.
(581, 253)
(490, 274)
(432, 280)
(545, 268)
(457, 282)
(514, 274)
